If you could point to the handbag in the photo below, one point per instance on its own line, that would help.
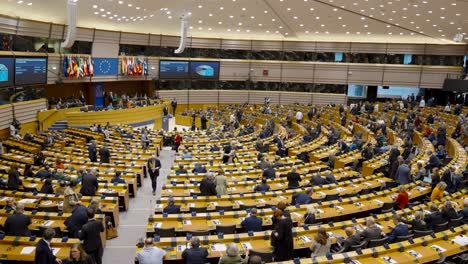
(111, 231)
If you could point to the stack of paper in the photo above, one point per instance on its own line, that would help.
(55, 251)
(461, 240)
(438, 248)
(216, 222)
(218, 247)
(304, 238)
(157, 225)
(187, 222)
(414, 254)
(27, 250)
(48, 223)
(246, 245)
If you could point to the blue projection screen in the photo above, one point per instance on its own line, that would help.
(30, 71)
(6, 71)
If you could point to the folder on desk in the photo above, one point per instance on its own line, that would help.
(438, 248)
(55, 251)
(246, 245)
(461, 240)
(187, 222)
(218, 247)
(414, 254)
(48, 223)
(157, 225)
(388, 260)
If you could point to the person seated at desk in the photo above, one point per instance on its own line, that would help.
(171, 208)
(309, 216)
(44, 173)
(448, 212)
(78, 256)
(441, 153)
(293, 178)
(199, 168)
(352, 240)
(434, 161)
(195, 254)
(330, 178)
(269, 173)
(438, 192)
(59, 176)
(417, 223)
(59, 164)
(47, 187)
(302, 198)
(232, 255)
(17, 223)
(400, 229)
(321, 244)
(14, 181)
(435, 178)
(317, 180)
(181, 170)
(434, 217)
(207, 185)
(10, 204)
(263, 187)
(44, 253)
(186, 155)
(28, 171)
(402, 200)
(150, 254)
(372, 230)
(464, 212)
(116, 179)
(39, 159)
(252, 223)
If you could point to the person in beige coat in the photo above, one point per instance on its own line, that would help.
(321, 244)
(221, 183)
(70, 201)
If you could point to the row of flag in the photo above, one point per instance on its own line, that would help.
(134, 66)
(78, 66)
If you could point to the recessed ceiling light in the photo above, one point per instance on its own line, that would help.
(221, 8)
(200, 21)
(95, 6)
(130, 5)
(210, 14)
(137, 8)
(200, 6)
(243, 9)
(220, 22)
(252, 17)
(120, 2)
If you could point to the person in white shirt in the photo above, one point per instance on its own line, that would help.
(447, 108)
(299, 116)
(422, 103)
(150, 254)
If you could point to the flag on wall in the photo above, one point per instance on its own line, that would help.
(106, 66)
(77, 66)
(134, 66)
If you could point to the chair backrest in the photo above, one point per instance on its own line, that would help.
(48, 208)
(387, 207)
(226, 229)
(440, 227)
(245, 206)
(331, 197)
(365, 191)
(165, 232)
(29, 189)
(390, 185)
(224, 207)
(265, 256)
(376, 242)
(200, 233)
(198, 209)
(455, 222)
(420, 233)
(403, 238)
(58, 233)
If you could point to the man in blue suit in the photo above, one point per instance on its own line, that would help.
(44, 254)
(171, 208)
(400, 229)
(252, 223)
(302, 198)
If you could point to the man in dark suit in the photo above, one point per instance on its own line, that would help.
(263, 187)
(91, 236)
(174, 106)
(252, 223)
(317, 180)
(153, 166)
(434, 161)
(372, 231)
(181, 170)
(171, 208)
(434, 218)
(281, 147)
(403, 173)
(44, 254)
(195, 254)
(400, 229)
(75, 222)
(92, 152)
(104, 154)
(449, 178)
(207, 186)
(269, 173)
(89, 184)
(394, 153)
(352, 239)
(17, 223)
(302, 198)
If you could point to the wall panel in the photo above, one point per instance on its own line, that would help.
(334, 73)
(134, 38)
(33, 29)
(366, 74)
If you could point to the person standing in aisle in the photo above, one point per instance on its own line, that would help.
(153, 166)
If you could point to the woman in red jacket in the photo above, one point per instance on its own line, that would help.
(402, 200)
(177, 141)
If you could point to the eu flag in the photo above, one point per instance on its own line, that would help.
(106, 66)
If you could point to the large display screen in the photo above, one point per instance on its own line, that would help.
(174, 69)
(30, 71)
(204, 69)
(6, 71)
